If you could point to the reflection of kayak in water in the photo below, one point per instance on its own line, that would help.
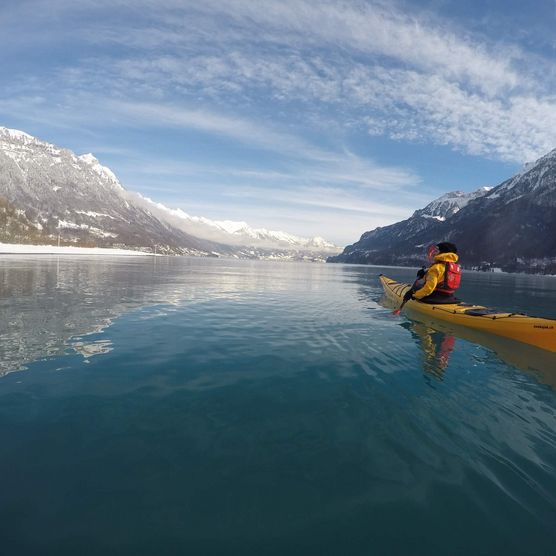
(541, 363)
(534, 331)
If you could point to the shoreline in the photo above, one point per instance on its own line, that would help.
(24, 249)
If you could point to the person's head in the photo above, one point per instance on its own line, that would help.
(446, 247)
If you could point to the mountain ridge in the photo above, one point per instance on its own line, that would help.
(234, 231)
(511, 226)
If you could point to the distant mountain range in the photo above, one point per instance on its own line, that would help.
(48, 193)
(511, 226)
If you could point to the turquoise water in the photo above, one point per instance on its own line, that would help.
(200, 406)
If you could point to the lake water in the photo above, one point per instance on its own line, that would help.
(202, 406)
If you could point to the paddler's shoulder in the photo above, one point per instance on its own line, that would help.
(446, 258)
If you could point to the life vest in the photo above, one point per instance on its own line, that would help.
(452, 278)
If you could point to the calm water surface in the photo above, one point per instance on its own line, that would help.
(199, 406)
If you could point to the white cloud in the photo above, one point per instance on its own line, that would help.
(246, 131)
(404, 104)
(336, 199)
(371, 28)
(408, 105)
(325, 165)
(377, 29)
(407, 76)
(374, 29)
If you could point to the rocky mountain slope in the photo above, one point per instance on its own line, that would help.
(49, 194)
(512, 226)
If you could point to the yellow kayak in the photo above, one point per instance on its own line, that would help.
(534, 331)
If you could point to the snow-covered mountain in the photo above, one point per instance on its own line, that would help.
(512, 226)
(234, 233)
(78, 199)
(388, 244)
(450, 203)
(49, 192)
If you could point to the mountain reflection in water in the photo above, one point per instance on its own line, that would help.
(53, 305)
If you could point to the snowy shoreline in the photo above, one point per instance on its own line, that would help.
(22, 249)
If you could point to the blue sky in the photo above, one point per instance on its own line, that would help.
(319, 118)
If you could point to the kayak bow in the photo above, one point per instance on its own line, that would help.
(534, 331)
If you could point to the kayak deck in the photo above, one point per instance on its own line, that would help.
(534, 331)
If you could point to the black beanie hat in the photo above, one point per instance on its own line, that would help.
(446, 247)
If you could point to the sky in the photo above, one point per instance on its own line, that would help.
(324, 118)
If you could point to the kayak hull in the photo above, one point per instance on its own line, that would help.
(535, 331)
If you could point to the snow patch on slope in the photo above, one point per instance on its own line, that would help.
(449, 204)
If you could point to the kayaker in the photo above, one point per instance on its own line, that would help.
(441, 279)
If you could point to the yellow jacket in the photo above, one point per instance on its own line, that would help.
(435, 274)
